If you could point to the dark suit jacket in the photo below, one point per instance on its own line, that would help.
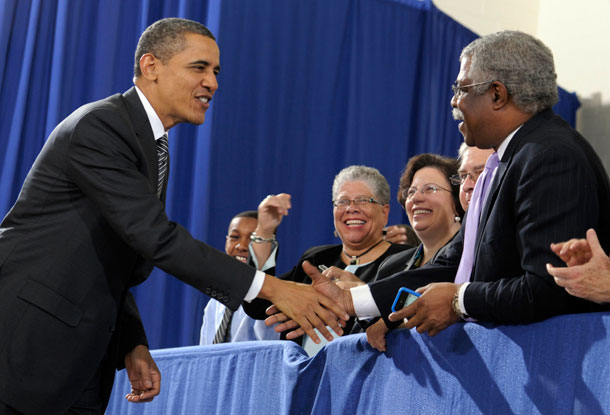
(87, 226)
(550, 186)
(405, 261)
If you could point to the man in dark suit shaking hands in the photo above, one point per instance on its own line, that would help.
(544, 183)
(90, 223)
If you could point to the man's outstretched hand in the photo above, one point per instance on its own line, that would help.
(340, 299)
(305, 307)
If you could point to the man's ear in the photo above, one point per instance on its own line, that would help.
(148, 66)
(499, 94)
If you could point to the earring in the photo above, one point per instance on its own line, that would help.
(457, 219)
(336, 234)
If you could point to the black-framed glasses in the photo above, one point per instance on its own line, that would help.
(459, 90)
(426, 189)
(458, 179)
(359, 201)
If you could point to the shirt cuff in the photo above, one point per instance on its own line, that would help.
(270, 263)
(255, 287)
(461, 301)
(364, 304)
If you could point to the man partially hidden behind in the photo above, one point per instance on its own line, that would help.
(544, 183)
(220, 323)
(472, 163)
(90, 223)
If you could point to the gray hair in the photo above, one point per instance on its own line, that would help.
(165, 38)
(521, 62)
(462, 150)
(369, 175)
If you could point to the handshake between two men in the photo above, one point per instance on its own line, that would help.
(305, 307)
(332, 288)
(333, 309)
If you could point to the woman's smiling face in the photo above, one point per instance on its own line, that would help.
(359, 226)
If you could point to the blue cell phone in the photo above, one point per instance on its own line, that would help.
(404, 297)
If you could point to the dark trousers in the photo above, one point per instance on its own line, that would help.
(90, 402)
(7, 410)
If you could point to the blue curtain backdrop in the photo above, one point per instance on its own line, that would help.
(306, 88)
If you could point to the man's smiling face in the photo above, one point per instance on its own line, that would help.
(186, 83)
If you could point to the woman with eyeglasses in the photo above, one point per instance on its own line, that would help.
(360, 203)
(431, 202)
(434, 211)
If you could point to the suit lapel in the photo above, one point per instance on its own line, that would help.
(413, 257)
(143, 130)
(505, 163)
(494, 189)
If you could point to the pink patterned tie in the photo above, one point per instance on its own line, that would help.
(473, 218)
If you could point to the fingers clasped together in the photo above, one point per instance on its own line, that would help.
(321, 304)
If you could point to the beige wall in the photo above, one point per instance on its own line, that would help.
(488, 16)
(578, 33)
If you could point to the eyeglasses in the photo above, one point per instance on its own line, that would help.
(458, 90)
(458, 179)
(359, 201)
(426, 189)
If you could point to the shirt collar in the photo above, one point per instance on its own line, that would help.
(153, 118)
(502, 149)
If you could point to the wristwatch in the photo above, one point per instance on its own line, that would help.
(259, 239)
(455, 304)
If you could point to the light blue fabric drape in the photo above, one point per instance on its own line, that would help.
(466, 369)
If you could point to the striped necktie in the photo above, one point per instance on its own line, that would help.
(222, 334)
(162, 158)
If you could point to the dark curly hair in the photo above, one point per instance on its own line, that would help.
(446, 165)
